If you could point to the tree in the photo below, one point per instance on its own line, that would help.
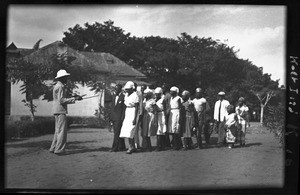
(264, 96)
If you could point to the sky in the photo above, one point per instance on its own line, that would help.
(257, 32)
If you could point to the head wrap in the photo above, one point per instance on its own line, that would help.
(158, 90)
(198, 90)
(174, 89)
(129, 85)
(221, 93)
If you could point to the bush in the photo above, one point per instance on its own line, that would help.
(28, 128)
(92, 122)
(274, 120)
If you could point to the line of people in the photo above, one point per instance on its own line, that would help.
(148, 113)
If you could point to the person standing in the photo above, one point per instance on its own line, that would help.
(188, 121)
(131, 101)
(201, 107)
(139, 120)
(174, 117)
(167, 99)
(161, 118)
(116, 117)
(60, 111)
(242, 112)
(220, 112)
(149, 123)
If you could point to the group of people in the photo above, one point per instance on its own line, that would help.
(166, 115)
(148, 113)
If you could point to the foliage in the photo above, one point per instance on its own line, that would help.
(28, 128)
(275, 120)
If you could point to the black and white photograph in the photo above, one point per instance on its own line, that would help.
(145, 97)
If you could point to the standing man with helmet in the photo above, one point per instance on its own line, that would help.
(202, 107)
(60, 110)
(220, 113)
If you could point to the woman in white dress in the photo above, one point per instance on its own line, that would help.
(161, 117)
(242, 112)
(174, 117)
(131, 101)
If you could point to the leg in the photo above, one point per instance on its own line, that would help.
(199, 134)
(167, 140)
(52, 148)
(62, 134)
(136, 135)
(131, 146)
(221, 133)
(206, 132)
(243, 134)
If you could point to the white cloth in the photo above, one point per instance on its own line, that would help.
(223, 111)
(128, 129)
(162, 128)
(231, 119)
(174, 104)
(198, 103)
(174, 121)
(242, 113)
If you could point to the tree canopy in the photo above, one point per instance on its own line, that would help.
(187, 62)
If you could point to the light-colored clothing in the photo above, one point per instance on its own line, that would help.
(231, 121)
(60, 136)
(60, 109)
(128, 129)
(199, 104)
(174, 115)
(162, 127)
(139, 119)
(149, 118)
(60, 101)
(242, 113)
(222, 111)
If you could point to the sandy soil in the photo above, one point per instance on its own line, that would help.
(88, 164)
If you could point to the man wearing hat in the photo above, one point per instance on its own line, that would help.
(220, 113)
(60, 110)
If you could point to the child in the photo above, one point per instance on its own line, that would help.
(231, 126)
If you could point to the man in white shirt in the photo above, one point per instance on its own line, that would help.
(220, 113)
(202, 107)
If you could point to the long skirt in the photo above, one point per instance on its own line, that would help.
(187, 126)
(174, 121)
(128, 129)
(162, 127)
(149, 127)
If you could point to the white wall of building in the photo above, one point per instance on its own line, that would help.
(86, 107)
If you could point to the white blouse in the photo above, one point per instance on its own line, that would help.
(131, 100)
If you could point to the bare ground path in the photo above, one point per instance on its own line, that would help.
(88, 164)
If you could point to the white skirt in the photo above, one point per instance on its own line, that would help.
(162, 128)
(174, 121)
(128, 129)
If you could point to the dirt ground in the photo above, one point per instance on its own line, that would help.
(88, 164)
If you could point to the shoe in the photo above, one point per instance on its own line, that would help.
(129, 152)
(184, 149)
(229, 146)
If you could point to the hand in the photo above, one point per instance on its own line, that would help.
(78, 98)
(134, 122)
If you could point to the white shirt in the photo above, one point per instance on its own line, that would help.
(223, 112)
(243, 110)
(198, 103)
(174, 102)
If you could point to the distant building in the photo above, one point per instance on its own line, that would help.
(104, 63)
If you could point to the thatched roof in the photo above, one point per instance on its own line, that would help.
(12, 49)
(44, 56)
(113, 64)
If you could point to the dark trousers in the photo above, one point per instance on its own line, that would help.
(118, 143)
(146, 143)
(221, 133)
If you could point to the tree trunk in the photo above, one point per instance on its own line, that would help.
(32, 110)
(261, 114)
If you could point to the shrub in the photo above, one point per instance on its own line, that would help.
(274, 120)
(28, 128)
(92, 122)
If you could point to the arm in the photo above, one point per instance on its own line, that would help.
(62, 99)
(136, 105)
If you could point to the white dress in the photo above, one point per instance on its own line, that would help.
(174, 115)
(128, 129)
(162, 128)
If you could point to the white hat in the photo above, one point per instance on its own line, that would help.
(221, 93)
(185, 92)
(129, 85)
(61, 73)
(198, 90)
(174, 89)
(158, 90)
(147, 90)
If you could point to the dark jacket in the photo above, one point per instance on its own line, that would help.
(118, 109)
